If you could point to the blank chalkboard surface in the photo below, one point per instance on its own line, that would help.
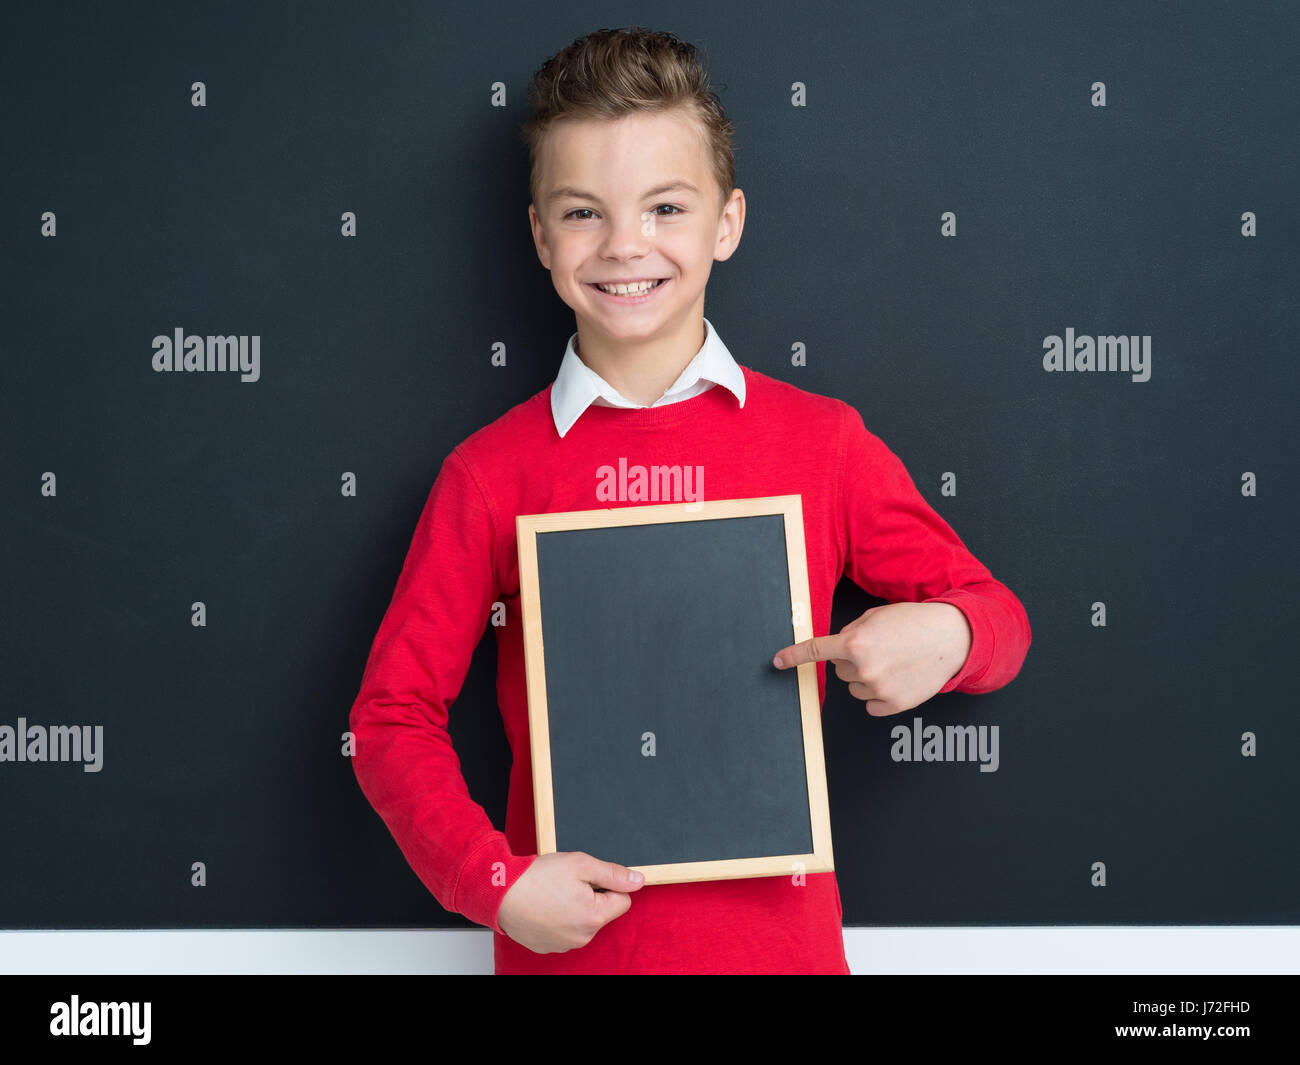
(662, 736)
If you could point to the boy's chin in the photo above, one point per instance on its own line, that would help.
(610, 325)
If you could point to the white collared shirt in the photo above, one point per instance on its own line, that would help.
(578, 386)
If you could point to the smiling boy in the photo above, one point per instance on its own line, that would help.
(633, 189)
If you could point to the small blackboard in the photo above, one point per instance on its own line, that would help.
(662, 736)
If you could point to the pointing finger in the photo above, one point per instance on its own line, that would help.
(818, 649)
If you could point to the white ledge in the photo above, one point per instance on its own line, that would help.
(1040, 950)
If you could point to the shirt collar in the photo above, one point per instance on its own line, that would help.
(577, 385)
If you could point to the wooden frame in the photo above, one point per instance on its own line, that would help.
(528, 527)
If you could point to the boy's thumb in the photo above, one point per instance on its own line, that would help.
(613, 877)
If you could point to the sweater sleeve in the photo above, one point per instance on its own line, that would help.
(899, 549)
(403, 757)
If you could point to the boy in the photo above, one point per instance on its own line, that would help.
(625, 127)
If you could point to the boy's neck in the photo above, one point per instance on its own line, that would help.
(644, 371)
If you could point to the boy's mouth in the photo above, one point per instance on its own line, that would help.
(632, 292)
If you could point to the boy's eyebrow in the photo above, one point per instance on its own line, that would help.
(569, 192)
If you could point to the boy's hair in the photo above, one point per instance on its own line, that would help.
(612, 73)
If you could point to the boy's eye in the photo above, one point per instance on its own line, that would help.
(579, 210)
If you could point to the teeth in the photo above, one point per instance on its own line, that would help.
(628, 290)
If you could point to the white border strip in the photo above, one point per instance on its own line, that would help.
(1036, 950)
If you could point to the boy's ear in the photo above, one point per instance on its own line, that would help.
(539, 236)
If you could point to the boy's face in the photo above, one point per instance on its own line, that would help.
(603, 215)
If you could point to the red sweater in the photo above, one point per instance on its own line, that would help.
(862, 517)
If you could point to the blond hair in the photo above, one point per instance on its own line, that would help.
(611, 73)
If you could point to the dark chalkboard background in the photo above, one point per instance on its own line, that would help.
(1119, 744)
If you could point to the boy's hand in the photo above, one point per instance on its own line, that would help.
(894, 657)
(554, 906)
